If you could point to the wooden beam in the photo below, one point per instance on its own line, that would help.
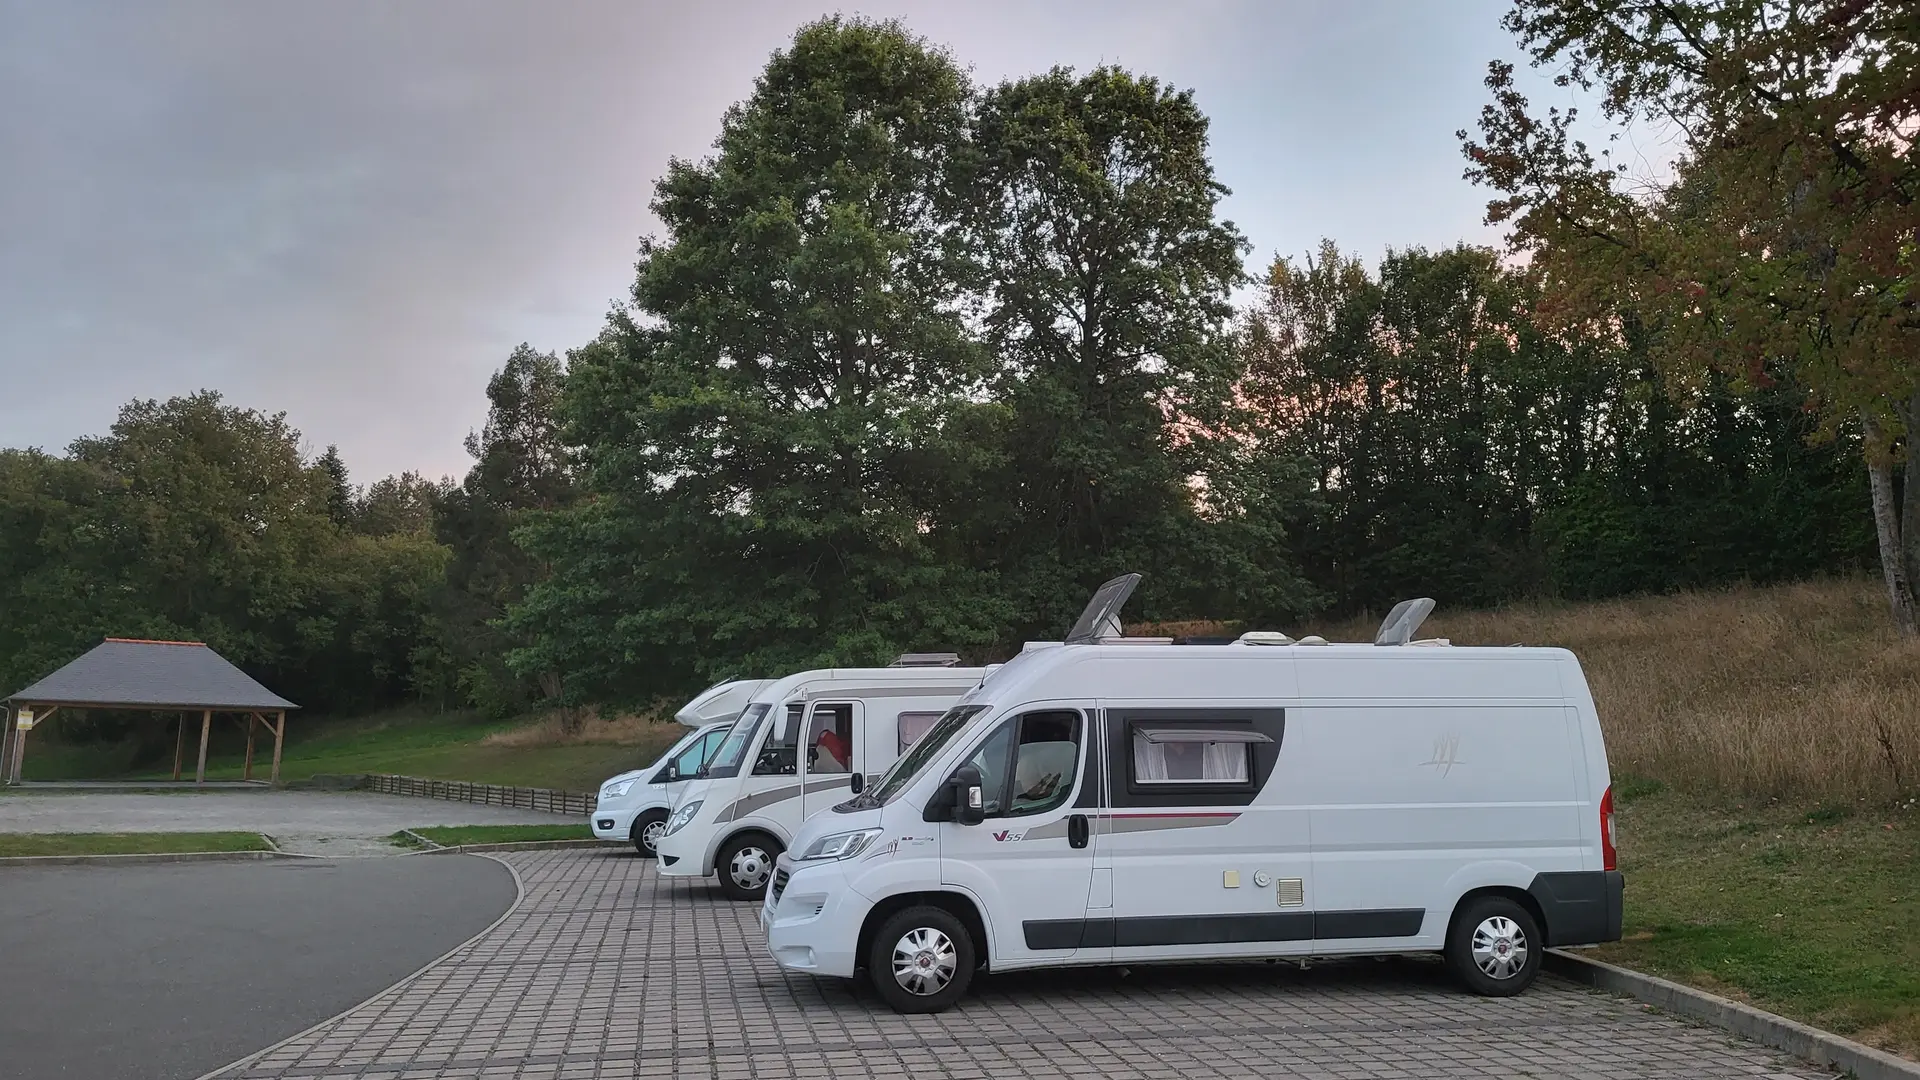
(6, 745)
(246, 771)
(279, 734)
(206, 729)
(179, 744)
(17, 739)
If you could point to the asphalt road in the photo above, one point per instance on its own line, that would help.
(331, 823)
(164, 972)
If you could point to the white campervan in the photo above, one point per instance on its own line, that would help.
(802, 745)
(633, 806)
(1101, 802)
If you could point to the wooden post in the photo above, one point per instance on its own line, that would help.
(18, 740)
(279, 733)
(6, 745)
(206, 729)
(246, 771)
(179, 744)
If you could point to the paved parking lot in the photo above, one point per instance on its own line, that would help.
(310, 822)
(604, 971)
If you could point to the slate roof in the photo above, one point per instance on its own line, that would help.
(123, 673)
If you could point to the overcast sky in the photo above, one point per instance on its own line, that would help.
(352, 211)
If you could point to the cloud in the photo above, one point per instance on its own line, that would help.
(353, 211)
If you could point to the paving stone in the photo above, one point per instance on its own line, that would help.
(607, 971)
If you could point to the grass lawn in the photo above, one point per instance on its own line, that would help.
(455, 835)
(438, 747)
(1813, 914)
(128, 843)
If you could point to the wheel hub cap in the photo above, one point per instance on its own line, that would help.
(1499, 947)
(924, 961)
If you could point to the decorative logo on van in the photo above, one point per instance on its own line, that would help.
(1446, 754)
(1005, 835)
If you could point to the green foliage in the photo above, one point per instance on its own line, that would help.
(195, 520)
(1463, 452)
(520, 468)
(1776, 248)
(762, 461)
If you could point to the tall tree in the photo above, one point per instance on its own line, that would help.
(1111, 277)
(1780, 243)
(520, 467)
(774, 437)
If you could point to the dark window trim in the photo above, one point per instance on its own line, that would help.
(1125, 791)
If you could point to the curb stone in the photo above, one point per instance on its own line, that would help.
(518, 845)
(1809, 1043)
(150, 857)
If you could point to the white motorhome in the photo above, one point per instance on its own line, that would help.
(1102, 803)
(633, 806)
(805, 743)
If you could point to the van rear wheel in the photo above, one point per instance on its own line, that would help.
(921, 960)
(746, 865)
(1495, 947)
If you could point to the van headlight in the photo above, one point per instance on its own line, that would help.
(840, 845)
(614, 791)
(682, 816)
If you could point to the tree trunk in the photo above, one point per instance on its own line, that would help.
(1886, 520)
(1910, 492)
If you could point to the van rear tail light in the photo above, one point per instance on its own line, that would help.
(1609, 856)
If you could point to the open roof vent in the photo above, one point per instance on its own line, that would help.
(1403, 620)
(927, 659)
(1101, 619)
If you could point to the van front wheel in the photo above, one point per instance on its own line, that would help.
(1495, 947)
(921, 960)
(746, 865)
(648, 828)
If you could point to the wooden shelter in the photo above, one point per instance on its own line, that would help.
(161, 676)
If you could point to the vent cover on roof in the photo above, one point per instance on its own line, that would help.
(1101, 619)
(1403, 620)
(927, 659)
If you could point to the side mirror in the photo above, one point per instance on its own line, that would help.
(969, 805)
(859, 783)
(673, 771)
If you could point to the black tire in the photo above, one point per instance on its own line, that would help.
(1500, 928)
(745, 864)
(930, 979)
(655, 820)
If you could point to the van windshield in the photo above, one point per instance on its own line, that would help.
(726, 760)
(908, 767)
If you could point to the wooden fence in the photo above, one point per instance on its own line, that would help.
(524, 798)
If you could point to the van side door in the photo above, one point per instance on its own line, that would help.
(1030, 862)
(828, 754)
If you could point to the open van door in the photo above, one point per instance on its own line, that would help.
(828, 753)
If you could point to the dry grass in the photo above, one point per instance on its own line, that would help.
(587, 727)
(1796, 692)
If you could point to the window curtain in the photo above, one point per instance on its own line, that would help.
(1149, 760)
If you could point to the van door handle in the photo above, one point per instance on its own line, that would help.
(1077, 831)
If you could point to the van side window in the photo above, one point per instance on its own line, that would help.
(913, 725)
(1027, 765)
(777, 754)
(1180, 754)
(829, 743)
